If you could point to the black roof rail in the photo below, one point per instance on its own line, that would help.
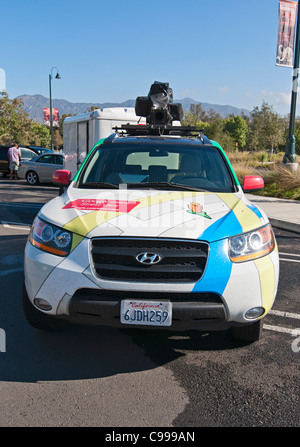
(161, 130)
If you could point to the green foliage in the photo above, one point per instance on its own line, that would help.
(40, 135)
(237, 129)
(15, 125)
(263, 130)
(266, 129)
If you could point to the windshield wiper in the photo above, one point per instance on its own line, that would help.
(99, 185)
(163, 185)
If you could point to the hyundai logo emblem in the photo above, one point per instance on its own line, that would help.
(148, 258)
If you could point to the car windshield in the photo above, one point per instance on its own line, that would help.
(159, 165)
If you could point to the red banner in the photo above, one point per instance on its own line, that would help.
(286, 33)
(55, 117)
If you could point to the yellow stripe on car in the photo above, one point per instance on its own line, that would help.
(247, 218)
(266, 272)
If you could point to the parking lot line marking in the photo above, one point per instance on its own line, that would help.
(17, 204)
(15, 225)
(280, 313)
(285, 330)
(290, 254)
(288, 260)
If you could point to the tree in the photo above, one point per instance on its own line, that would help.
(266, 129)
(237, 128)
(15, 125)
(40, 135)
(57, 139)
(194, 116)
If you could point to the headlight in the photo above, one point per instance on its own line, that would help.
(252, 245)
(50, 238)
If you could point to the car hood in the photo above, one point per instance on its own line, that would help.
(153, 213)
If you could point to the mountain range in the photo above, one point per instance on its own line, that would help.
(34, 104)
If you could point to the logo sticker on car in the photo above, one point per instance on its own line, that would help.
(196, 208)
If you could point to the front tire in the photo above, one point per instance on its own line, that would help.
(250, 333)
(38, 319)
(32, 178)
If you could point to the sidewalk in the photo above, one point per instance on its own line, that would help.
(282, 213)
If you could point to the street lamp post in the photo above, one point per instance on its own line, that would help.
(57, 76)
(289, 158)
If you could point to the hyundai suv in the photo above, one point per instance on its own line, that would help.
(153, 231)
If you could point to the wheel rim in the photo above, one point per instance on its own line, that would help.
(31, 178)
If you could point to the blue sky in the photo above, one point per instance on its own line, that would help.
(215, 51)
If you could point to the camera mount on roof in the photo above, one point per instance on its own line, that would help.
(160, 112)
(158, 106)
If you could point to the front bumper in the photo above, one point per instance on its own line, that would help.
(226, 290)
(94, 308)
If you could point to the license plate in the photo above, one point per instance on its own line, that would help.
(150, 313)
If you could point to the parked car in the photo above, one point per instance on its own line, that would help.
(26, 154)
(41, 168)
(40, 150)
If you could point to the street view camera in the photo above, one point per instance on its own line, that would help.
(158, 106)
(160, 113)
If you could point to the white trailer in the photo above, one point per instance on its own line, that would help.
(81, 132)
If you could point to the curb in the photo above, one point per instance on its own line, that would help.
(284, 224)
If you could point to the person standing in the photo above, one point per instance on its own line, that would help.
(14, 155)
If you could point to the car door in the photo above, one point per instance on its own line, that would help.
(58, 163)
(45, 167)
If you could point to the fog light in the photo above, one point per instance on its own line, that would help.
(255, 312)
(42, 304)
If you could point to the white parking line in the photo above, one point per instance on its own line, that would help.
(285, 330)
(15, 225)
(288, 260)
(290, 257)
(289, 254)
(279, 313)
(21, 205)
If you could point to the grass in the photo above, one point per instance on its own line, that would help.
(279, 181)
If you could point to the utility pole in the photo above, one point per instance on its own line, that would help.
(51, 117)
(289, 158)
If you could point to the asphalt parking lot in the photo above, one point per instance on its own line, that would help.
(93, 376)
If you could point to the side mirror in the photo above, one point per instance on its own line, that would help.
(61, 177)
(253, 183)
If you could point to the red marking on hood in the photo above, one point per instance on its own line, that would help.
(119, 206)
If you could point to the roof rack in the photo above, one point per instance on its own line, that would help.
(161, 130)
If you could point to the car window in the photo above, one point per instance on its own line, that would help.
(3, 153)
(59, 160)
(46, 159)
(189, 165)
(27, 153)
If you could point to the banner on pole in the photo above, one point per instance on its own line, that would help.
(286, 33)
(55, 117)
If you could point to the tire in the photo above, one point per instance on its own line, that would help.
(38, 319)
(32, 178)
(250, 332)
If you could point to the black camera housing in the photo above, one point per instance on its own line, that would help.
(158, 106)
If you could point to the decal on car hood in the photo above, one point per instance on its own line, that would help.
(153, 213)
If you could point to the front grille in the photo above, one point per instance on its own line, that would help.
(118, 295)
(181, 260)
